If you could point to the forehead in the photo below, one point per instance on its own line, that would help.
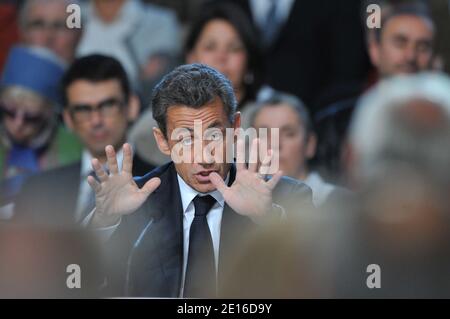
(409, 25)
(277, 116)
(47, 9)
(179, 116)
(219, 28)
(84, 91)
(23, 98)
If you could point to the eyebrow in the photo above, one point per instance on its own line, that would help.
(215, 124)
(108, 99)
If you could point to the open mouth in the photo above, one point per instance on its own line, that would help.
(203, 177)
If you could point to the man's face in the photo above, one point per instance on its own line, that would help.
(406, 46)
(212, 136)
(293, 145)
(45, 26)
(25, 115)
(98, 113)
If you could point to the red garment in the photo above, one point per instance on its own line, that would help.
(9, 30)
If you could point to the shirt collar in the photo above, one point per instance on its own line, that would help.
(86, 158)
(188, 193)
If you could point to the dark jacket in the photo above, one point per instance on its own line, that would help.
(50, 198)
(147, 261)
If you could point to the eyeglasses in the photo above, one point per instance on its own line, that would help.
(40, 25)
(107, 108)
(28, 118)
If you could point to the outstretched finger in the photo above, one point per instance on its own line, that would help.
(151, 185)
(240, 150)
(127, 166)
(272, 183)
(99, 171)
(94, 184)
(218, 182)
(265, 164)
(112, 160)
(253, 160)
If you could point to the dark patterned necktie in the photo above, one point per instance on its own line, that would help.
(201, 269)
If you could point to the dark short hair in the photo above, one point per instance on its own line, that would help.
(95, 68)
(234, 15)
(393, 8)
(277, 98)
(191, 85)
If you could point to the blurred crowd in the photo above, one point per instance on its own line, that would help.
(363, 117)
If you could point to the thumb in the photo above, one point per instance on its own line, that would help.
(151, 185)
(218, 182)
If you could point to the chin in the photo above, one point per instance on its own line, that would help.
(204, 188)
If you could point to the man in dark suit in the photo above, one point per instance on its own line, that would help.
(175, 231)
(310, 46)
(402, 46)
(98, 108)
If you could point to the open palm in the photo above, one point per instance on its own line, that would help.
(250, 194)
(116, 193)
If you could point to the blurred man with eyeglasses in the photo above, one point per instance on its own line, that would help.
(31, 138)
(43, 23)
(98, 107)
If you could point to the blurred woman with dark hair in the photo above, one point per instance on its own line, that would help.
(223, 37)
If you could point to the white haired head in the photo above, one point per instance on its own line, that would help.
(404, 120)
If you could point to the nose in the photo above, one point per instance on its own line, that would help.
(18, 119)
(203, 154)
(411, 53)
(96, 117)
(220, 59)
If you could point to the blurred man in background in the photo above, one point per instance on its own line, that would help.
(31, 136)
(403, 45)
(143, 37)
(99, 106)
(43, 23)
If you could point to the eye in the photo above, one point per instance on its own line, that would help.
(81, 109)
(214, 135)
(187, 141)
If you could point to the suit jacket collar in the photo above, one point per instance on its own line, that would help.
(166, 209)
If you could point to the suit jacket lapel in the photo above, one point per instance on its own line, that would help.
(166, 208)
(233, 227)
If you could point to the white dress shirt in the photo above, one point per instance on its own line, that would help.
(214, 219)
(320, 189)
(260, 9)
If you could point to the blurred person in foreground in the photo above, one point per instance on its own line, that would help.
(403, 45)
(175, 230)
(32, 139)
(43, 23)
(45, 263)
(400, 151)
(297, 142)
(98, 107)
(222, 37)
(398, 219)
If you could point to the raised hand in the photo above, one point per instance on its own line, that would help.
(116, 193)
(250, 194)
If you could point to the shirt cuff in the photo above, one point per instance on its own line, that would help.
(103, 234)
